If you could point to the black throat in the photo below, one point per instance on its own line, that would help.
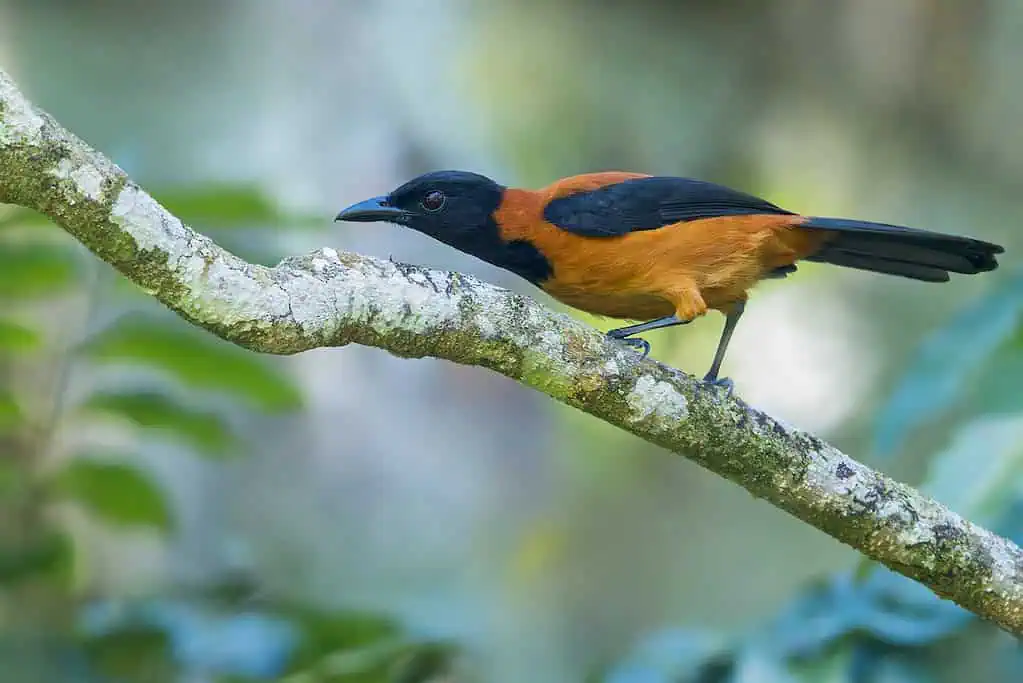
(519, 256)
(482, 238)
(459, 208)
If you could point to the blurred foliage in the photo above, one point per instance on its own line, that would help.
(86, 358)
(114, 492)
(868, 624)
(967, 368)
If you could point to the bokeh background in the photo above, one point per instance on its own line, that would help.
(175, 509)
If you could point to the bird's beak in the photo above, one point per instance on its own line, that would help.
(371, 210)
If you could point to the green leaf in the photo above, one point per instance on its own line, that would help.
(15, 337)
(114, 492)
(197, 359)
(206, 432)
(11, 417)
(136, 653)
(325, 633)
(47, 554)
(425, 662)
(946, 362)
(831, 667)
(35, 270)
(220, 205)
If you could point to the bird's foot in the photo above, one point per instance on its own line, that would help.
(721, 382)
(634, 342)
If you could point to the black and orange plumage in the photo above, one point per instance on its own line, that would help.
(660, 249)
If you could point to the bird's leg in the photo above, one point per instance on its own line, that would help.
(731, 320)
(625, 333)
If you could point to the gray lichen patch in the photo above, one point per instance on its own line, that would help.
(395, 301)
(657, 403)
(19, 121)
(149, 224)
(87, 179)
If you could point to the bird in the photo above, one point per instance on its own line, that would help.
(661, 250)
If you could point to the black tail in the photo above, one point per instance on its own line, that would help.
(897, 250)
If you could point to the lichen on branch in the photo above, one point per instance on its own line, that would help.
(331, 299)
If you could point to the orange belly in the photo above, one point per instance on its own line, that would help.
(634, 306)
(684, 269)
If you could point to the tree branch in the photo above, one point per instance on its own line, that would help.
(328, 299)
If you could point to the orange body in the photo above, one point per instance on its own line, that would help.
(682, 269)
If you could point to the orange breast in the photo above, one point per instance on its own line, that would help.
(683, 268)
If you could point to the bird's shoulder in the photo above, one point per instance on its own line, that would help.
(617, 203)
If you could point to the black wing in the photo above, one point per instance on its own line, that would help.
(650, 203)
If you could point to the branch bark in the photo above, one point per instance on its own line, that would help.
(331, 299)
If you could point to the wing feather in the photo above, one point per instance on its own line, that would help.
(650, 203)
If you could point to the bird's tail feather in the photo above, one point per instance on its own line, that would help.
(898, 250)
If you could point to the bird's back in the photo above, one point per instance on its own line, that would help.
(637, 273)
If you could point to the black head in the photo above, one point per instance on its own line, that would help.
(456, 208)
(451, 206)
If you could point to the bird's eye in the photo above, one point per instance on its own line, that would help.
(433, 201)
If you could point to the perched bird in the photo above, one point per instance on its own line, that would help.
(659, 249)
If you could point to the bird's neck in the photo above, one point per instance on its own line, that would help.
(512, 225)
(519, 212)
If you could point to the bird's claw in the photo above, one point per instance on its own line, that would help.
(634, 342)
(721, 382)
